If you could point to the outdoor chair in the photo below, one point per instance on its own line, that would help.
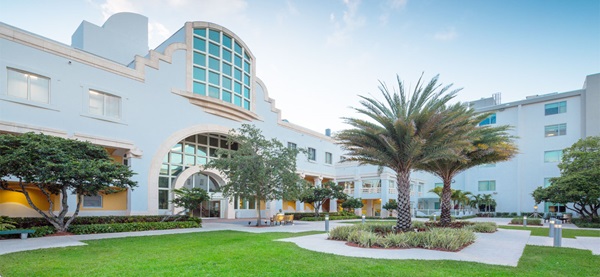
(277, 219)
(289, 219)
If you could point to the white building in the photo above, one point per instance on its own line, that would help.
(165, 111)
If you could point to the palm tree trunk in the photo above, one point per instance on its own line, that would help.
(445, 217)
(403, 221)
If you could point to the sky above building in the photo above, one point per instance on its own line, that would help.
(316, 57)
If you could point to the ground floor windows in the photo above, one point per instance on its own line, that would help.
(244, 203)
(92, 201)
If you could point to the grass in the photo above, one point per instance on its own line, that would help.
(566, 233)
(231, 253)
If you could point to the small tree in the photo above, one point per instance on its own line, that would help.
(318, 195)
(579, 182)
(189, 199)
(260, 168)
(391, 205)
(352, 203)
(58, 167)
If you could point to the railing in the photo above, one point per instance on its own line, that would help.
(371, 190)
(349, 191)
(393, 191)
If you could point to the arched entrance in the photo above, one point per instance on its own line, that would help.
(213, 207)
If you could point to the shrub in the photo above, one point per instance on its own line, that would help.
(483, 227)
(418, 225)
(6, 223)
(453, 224)
(399, 240)
(42, 231)
(129, 227)
(586, 223)
(530, 221)
(322, 218)
(384, 242)
(29, 222)
(341, 232)
(447, 238)
(354, 236)
(367, 239)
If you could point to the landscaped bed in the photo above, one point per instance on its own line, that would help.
(427, 235)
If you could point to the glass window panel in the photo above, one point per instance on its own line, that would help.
(199, 59)
(246, 104)
(237, 87)
(176, 169)
(246, 80)
(113, 106)
(237, 74)
(202, 139)
(92, 201)
(200, 32)
(214, 35)
(200, 161)
(199, 74)
(190, 160)
(177, 147)
(238, 48)
(247, 92)
(164, 169)
(237, 100)
(199, 88)
(226, 69)
(214, 142)
(166, 158)
(237, 61)
(214, 63)
(199, 44)
(163, 199)
(213, 78)
(214, 49)
(227, 55)
(226, 41)
(246, 56)
(39, 88)
(552, 156)
(201, 150)
(189, 149)
(213, 152)
(213, 92)
(556, 108)
(17, 84)
(246, 67)
(226, 83)
(191, 139)
(163, 182)
(176, 158)
(96, 102)
(227, 96)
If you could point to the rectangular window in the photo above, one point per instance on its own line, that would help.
(328, 158)
(552, 156)
(292, 145)
(312, 154)
(555, 130)
(104, 104)
(439, 185)
(92, 201)
(556, 108)
(491, 119)
(28, 86)
(487, 185)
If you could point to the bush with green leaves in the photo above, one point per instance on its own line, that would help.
(30, 222)
(130, 227)
(6, 223)
(530, 221)
(483, 227)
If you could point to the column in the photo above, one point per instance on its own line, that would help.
(318, 183)
(358, 193)
(385, 191)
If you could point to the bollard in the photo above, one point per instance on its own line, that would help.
(433, 217)
(551, 225)
(525, 221)
(327, 224)
(557, 235)
(363, 219)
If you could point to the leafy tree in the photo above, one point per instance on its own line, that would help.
(579, 181)
(391, 205)
(260, 168)
(403, 132)
(189, 199)
(352, 203)
(58, 167)
(317, 195)
(484, 144)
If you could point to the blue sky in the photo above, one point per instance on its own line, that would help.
(316, 57)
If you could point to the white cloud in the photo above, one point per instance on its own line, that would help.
(351, 20)
(446, 35)
(157, 33)
(111, 7)
(397, 4)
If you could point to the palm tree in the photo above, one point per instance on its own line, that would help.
(484, 145)
(402, 132)
(460, 199)
(488, 201)
(437, 191)
(476, 201)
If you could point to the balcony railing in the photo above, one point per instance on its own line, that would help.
(371, 190)
(349, 191)
(393, 191)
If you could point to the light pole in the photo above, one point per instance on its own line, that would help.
(557, 235)
(327, 223)
(535, 212)
(363, 219)
(551, 224)
(524, 221)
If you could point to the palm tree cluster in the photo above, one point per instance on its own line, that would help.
(423, 131)
(485, 200)
(460, 199)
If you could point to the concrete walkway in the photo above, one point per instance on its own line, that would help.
(504, 247)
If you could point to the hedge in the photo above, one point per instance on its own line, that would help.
(322, 218)
(30, 222)
(129, 227)
(530, 221)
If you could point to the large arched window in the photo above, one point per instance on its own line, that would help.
(193, 151)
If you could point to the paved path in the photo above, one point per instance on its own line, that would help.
(504, 247)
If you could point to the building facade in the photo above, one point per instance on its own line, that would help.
(165, 112)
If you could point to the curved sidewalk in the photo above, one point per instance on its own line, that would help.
(504, 247)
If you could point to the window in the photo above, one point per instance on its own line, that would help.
(439, 185)
(491, 119)
(28, 86)
(328, 158)
(292, 145)
(104, 104)
(92, 201)
(312, 154)
(556, 130)
(552, 156)
(487, 185)
(556, 108)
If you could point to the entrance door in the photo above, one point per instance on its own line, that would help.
(211, 209)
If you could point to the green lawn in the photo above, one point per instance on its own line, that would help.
(566, 233)
(230, 253)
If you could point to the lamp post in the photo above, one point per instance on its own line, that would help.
(327, 223)
(363, 219)
(433, 217)
(557, 235)
(551, 224)
(535, 212)
(524, 221)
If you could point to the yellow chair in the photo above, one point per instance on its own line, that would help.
(289, 219)
(277, 218)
